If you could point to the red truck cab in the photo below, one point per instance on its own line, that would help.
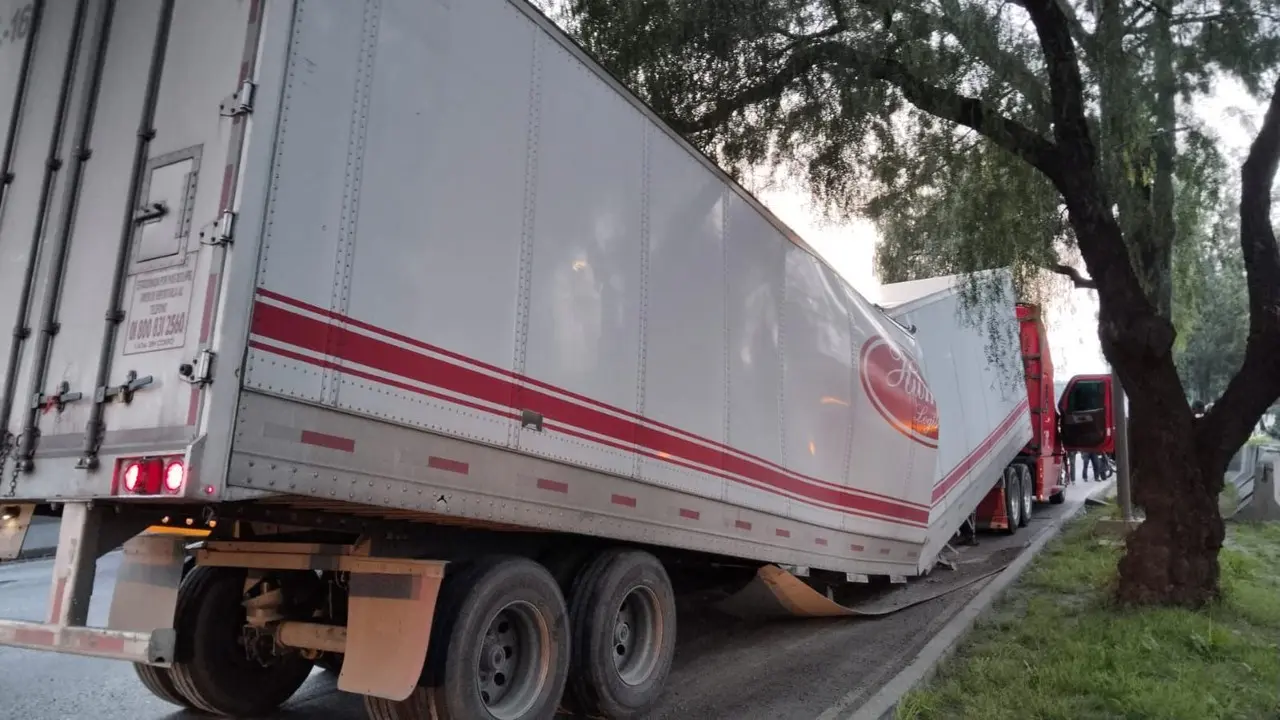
(1044, 453)
(1082, 422)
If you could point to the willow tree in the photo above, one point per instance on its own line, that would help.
(983, 122)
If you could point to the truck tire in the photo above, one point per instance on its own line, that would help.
(499, 648)
(159, 682)
(623, 616)
(1012, 485)
(213, 670)
(1028, 495)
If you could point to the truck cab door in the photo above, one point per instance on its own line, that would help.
(1085, 409)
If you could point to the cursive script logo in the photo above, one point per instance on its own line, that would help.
(897, 389)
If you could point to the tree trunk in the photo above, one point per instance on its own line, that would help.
(1172, 557)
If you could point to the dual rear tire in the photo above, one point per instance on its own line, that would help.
(1019, 496)
(507, 646)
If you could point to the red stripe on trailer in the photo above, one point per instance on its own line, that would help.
(59, 589)
(821, 541)
(30, 636)
(553, 485)
(782, 533)
(688, 514)
(453, 466)
(623, 500)
(532, 382)
(228, 182)
(332, 442)
(99, 644)
(670, 460)
(742, 524)
(285, 326)
(979, 454)
(856, 548)
(328, 365)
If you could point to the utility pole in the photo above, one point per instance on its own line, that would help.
(1120, 416)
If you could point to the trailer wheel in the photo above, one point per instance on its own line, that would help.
(499, 650)
(1028, 496)
(623, 616)
(1012, 486)
(214, 671)
(159, 682)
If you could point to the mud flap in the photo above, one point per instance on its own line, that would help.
(14, 521)
(389, 618)
(146, 594)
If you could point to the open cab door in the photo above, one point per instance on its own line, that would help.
(1087, 417)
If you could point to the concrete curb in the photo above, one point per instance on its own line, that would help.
(882, 705)
(43, 553)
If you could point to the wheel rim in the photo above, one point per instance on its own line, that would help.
(1028, 498)
(637, 636)
(1015, 508)
(514, 661)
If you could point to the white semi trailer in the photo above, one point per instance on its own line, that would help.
(446, 345)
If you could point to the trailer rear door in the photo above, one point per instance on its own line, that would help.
(131, 227)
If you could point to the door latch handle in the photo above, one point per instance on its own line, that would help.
(153, 211)
(132, 384)
(57, 402)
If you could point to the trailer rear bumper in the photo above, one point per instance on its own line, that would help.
(139, 627)
(152, 648)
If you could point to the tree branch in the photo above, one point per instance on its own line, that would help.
(1077, 278)
(1257, 386)
(970, 112)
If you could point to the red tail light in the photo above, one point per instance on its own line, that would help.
(175, 476)
(151, 476)
(133, 477)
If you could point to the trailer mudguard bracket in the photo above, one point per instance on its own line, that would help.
(390, 606)
(389, 618)
(146, 594)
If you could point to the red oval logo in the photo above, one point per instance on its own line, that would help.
(897, 389)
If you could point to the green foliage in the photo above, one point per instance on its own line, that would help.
(1055, 648)
(1210, 307)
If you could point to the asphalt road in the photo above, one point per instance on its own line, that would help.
(725, 667)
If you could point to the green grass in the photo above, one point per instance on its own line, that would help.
(1055, 647)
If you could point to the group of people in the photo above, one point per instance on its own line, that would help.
(1096, 461)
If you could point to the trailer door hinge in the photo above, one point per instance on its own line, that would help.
(239, 102)
(199, 372)
(124, 393)
(58, 401)
(224, 230)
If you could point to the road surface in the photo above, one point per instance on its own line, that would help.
(724, 668)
